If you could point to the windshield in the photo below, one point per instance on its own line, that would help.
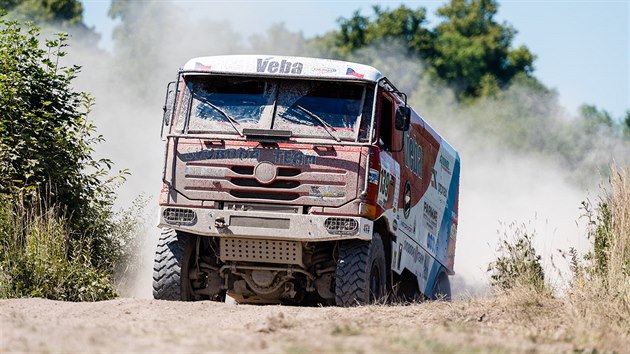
(222, 104)
(307, 108)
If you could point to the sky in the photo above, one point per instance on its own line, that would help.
(582, 46)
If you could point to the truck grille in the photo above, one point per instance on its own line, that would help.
(332, 181)
(271, 195)
(246, 182)
(263, 251)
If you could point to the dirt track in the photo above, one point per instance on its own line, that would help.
(141, 325)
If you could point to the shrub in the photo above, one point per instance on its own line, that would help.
(46, 138)
(607, 265)
(38, 257)
(518, 265)
(58, 230)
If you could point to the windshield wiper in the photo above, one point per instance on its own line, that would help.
(228, 117)
(329, 128)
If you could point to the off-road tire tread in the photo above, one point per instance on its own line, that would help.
(167, 267)
(351, 281)
(442, 288)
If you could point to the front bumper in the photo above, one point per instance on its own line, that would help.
(268, 225)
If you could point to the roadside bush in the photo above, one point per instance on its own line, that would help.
(40, 259)
(131, 227)
(58, 232)
(518, 265)
(600, 294)
(46, 138)
(595, 308)
(609, 230)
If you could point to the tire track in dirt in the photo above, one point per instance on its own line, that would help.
(142, 325)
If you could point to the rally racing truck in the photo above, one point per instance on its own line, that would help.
(301, 181)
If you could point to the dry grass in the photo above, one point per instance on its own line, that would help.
(598, 303)
(594, 313)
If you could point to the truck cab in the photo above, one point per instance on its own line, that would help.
(301, 180)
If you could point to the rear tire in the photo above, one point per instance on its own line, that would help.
(361, 276)
(442, 288)
(167, 268)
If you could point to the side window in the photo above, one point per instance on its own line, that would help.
(183, 107)
(385, 122)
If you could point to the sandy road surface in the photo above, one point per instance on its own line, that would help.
(141, 325)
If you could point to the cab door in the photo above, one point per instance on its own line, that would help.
(389, 140)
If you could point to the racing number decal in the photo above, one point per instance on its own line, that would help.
(383, 189)
(390, 174)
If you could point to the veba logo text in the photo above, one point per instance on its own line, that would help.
(282, 67)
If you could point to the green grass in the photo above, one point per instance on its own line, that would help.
(39, 259)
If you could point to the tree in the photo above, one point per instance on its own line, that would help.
(46, 138)
(594, 117)
(473, 50)
(65, 12)
(59, 237)
(401, 24)
(7, 5)
(405, 25)
(468, 50)
(52, 15)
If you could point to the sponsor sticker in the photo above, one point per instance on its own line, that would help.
(442, 190)
(431, 242)
(373, 176)
(326, 193)
(220, 154)
(430, 217)
(278, 67)
(324, 70)
(293, 158)
(407, 200)
(413, 154)
(414, 251)
(446, 164)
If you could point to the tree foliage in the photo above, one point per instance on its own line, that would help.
(469, 49)
(46, 138)
(52, 15)
(473, 50)
(402, 25)
(65, 12)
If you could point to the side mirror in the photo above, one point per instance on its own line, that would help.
(403, 118)
(169, 103)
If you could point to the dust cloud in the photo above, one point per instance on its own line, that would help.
(526, 164)
(507, 177)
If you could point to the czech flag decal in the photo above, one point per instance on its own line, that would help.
(351, 72)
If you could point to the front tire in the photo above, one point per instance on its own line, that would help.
(167, 268)
(361, 276)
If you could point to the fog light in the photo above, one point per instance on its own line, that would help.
(341, 226)
(179, 216)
